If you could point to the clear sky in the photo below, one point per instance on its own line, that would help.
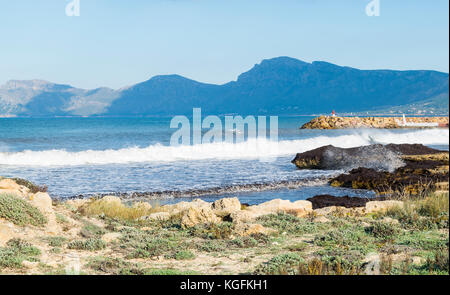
(117, 43)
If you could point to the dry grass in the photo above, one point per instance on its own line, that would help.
(116, 210)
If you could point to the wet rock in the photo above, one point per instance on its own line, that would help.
(376, 156)
(322, 201)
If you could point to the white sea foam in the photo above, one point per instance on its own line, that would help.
(252, 149)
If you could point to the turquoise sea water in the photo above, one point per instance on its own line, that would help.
(84, 156)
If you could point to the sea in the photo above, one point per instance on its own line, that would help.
(133, 157)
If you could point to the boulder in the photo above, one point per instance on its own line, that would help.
(243, 216)
(299, 208)
(250, 229)
(194, 216)
(225, 207)
(9, 186)
(184, 206)
(42, 201)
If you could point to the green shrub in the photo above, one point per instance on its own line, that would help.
(56, 241)
(182, 255)
(91, 244)
(20, 212)
(297, 247)
(212, 231)
(115, 266)
(212, 246)
(351, 238)
(244, 242)
(91, 230)
(281, 264)
(16, 252)
(290, 224)
(384, 231)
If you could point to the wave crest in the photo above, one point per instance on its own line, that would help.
(251, 149)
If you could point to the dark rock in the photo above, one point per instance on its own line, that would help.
(323, 201)
(376, 156)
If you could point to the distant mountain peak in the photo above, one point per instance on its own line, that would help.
(35, 84)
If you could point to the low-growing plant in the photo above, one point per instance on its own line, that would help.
(91, 244)
(281, 264)
(15, 252)
(91, 230)
(384, 231)
(439, 262)
(114, 266)
(212, 246)
(290, 224)
(181, 255)
(56, 241)
(299, 247)
(212, 231)
(20, 212)
(244, 242)
(317, 266)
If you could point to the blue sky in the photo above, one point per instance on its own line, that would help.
(117, 43)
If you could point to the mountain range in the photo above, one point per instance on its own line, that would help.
(281, 85)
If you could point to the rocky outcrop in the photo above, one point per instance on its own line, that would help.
(377, 156)
(420, 173)
(384, 168)
(224, 207)
(194, 216)
(329, 122)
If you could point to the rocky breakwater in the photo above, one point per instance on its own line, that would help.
(406, 168)
(330, 122)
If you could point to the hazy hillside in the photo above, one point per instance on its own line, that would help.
(276, 86)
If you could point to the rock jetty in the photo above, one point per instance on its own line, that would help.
(332, 122)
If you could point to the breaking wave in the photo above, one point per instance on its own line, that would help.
(252, 149)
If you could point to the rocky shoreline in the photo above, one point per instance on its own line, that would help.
(332, 122)
(322, 235)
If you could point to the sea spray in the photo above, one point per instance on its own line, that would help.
(250, 149)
